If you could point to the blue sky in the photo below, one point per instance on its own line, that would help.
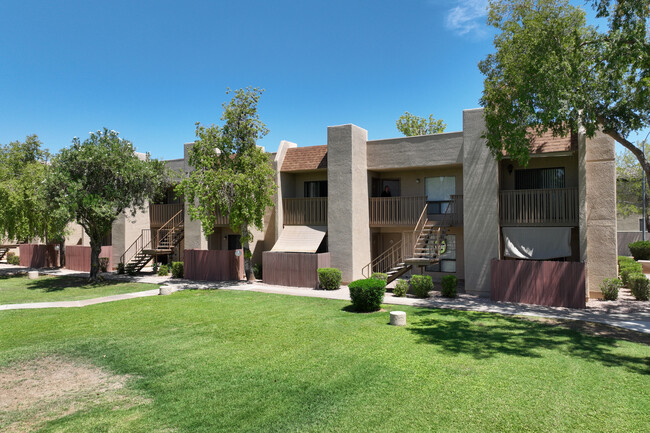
(152, 69)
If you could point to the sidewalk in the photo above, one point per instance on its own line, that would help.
(621, 315)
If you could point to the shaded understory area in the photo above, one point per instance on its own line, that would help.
(206, 361)
(17, 289)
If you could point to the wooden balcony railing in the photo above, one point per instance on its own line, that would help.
(159, 214)
(542, 207)
(385, 211)
(305, 211)
(454, 212)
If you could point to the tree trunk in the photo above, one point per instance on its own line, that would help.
(95, 249)
(62, 253)
(247, 255)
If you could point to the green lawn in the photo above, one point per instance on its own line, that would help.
(20, 289)
(224, 361)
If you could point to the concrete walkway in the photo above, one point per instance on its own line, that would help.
(636, 321)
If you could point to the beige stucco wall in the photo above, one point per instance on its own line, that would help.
(347, 214)
(480, 209)
(600, 210)
(126, 229)
(421, 151)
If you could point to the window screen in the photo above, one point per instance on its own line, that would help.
(316, 188)
(540, 178)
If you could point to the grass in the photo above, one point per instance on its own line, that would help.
(19, 289)
(223, 361)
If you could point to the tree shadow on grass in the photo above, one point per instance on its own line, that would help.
(486, 335)
(55, 284)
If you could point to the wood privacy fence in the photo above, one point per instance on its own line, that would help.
(556, 284)
(293, 269)
(214, 265)
(38, 256)
(77, 257)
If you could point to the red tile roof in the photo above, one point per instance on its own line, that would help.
(305, 158)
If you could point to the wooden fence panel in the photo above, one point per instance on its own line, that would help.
(557, 284)
(77, 257)
(38, 256)
(293, 269)
(213, 265)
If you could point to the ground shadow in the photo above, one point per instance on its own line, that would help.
(55, 284)
(485, 335)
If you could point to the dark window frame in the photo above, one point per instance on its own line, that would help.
(540, 178)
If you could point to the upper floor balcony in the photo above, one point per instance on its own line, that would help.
(406, 211)
(305, 211)
(159, 214)
(539, 207)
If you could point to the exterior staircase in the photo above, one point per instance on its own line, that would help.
(146, 247)
(3, 252)
(423, 249)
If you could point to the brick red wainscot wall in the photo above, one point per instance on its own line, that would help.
(77, 257)
(293, 269)
(38, 256)
(556, 284)
(214, 265)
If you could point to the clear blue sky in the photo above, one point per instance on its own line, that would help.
(151, 69)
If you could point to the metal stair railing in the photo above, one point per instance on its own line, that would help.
(385, 261)
(141, 243)
(165, 234)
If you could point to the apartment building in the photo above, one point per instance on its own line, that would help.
(436, 204)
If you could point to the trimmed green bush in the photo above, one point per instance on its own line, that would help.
(13, 260)
(103, 264)
(628, 268)
(329, 278)
(401, 287)
(120, 268)
(609, 287)
(367, 295)
(622, 260)
(380, 276)
(639, 286)
(177, 269)
(449, 285)
(640, 250)
(257, 271)
(163, 270)
(421, 285)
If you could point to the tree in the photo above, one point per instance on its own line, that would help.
(231, 174)
(25, 213)
(99, 178)
(410, 125)
(551, 71)
(629, 187)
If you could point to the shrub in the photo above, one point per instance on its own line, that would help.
(401, 288)
(449, 284)
(627, 269)
(13, 260)
(177, 269)
(422, 285)
(103, 264)
(257, 271)
(120, 268)
(380, 276)
(622, 260)
(368, 294)
(131, 270)
(639, 286)
(163, 270)
(609, 287)
(329, 278)
(640, 250)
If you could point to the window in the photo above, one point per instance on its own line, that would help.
(447, 261)
(316, 188)
(439, 191)
(540, 178)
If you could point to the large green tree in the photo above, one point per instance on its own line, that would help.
(552, 71)
(231, 175)
(99, 178)
(629, 184)
(410, 125)
(26, 213)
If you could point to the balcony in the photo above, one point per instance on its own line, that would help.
(159, 214)
(539, 207)
(396, 211)
(305, 211)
